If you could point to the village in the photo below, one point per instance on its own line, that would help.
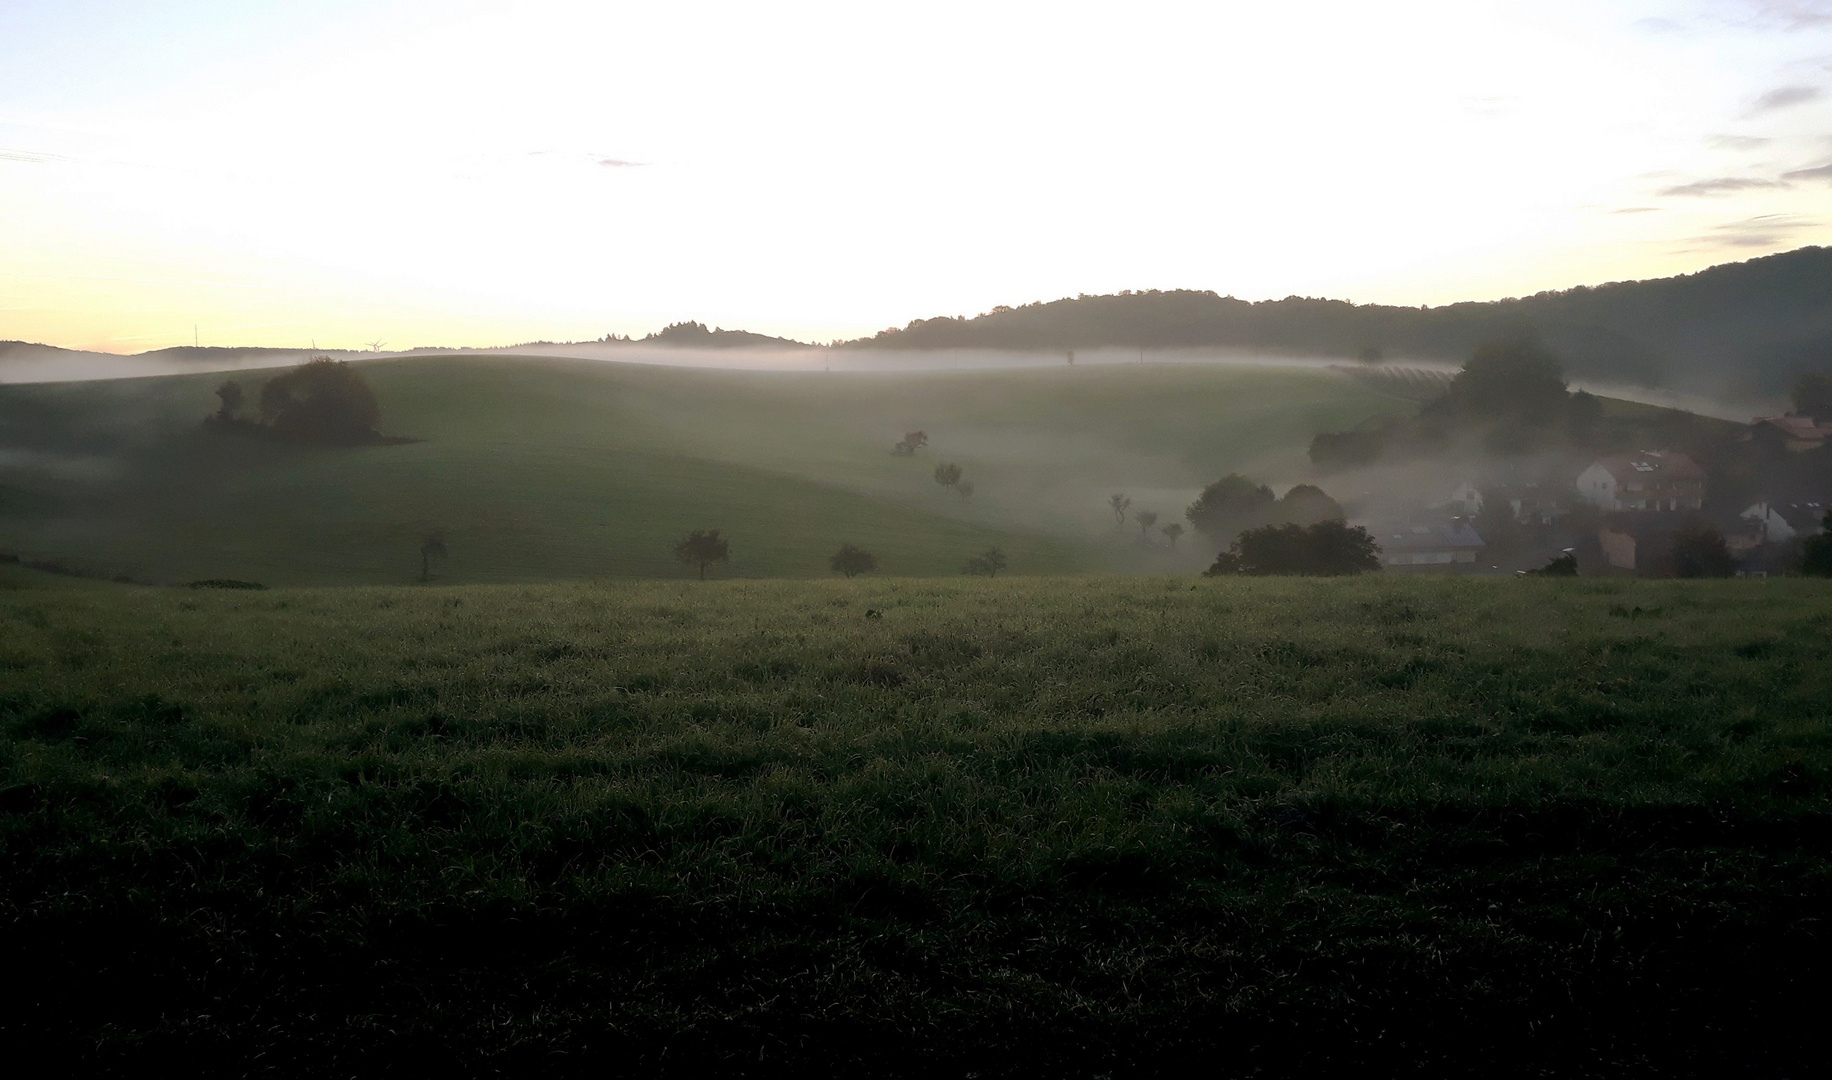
(1652, 513)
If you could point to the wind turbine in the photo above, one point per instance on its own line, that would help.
(376, 346)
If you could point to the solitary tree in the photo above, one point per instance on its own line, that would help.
(912, 442)
(852, 560)
(947, 474)
(1512, 380)
(702, 548)
(433, 547)
(1145, 519)
(1120, 503)
(964, 489)
(1171, 531)
(987, 563)
(1700, 551)
(322, 400)
(231, 394)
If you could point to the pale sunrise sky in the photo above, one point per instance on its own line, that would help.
(483, 173)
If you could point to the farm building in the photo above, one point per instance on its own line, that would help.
(1444, 542)
(1653, 481)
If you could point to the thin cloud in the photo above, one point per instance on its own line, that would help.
(618, 163)
(1782, 97)
(1721, 185)
(1763, 230)
(1737, 142)
(1822, 172)
(1791, 14)
(1636, 210)
(31, 156)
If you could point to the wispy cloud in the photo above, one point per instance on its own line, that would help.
(32, 156)
(1721, 185)
(1782, 97)
(1736, 142)
(1821, 172)
(618, 163)
(1790, 14)
(1763, 230)
(1636, 210)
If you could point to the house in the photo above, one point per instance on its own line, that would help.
(1796, 431)
(1650, 481)
(1618, 547)
(1441, 542)
(1783, 521)
(1465, 498)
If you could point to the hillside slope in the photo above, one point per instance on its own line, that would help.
(550, 469)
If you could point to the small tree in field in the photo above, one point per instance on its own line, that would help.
(947, 474)
(987, 563)
(964, 489)
(1145, 519)
(852, 560)
(912, 442)
(1700, 551)
(1171, 532)
(231, 394)
(702, 548)
(1120, 504)
(433, 547)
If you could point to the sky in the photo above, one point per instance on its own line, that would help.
(457, 173)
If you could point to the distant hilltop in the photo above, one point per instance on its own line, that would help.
(694, 335)
(1750, 325)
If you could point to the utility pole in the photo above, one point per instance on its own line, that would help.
(193, 335)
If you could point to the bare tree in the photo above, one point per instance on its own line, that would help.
(433, 547)
(1171, 532)
(701, 548)
(1145, 519)
(852, 560)
(1120, 503)
(987, 563)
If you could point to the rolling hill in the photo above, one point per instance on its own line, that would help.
(543, 469)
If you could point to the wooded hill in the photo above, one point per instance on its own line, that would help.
(1748, 325)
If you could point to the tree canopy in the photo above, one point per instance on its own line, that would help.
(322, 400)
(1326, 549)
(852, 560)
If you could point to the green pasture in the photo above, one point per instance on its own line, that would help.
(1078, 826)
(539, 469)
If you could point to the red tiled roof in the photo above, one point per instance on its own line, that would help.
(1662, 465)
(1797, 426)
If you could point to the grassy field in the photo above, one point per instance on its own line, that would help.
(553, 469)
(1084, 826)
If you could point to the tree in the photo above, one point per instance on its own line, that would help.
(1816, 551)
(1565, 565)
(1812, 393)
(987, 563)
(1145, 519)
(1307, 504)
(231, 394)
(433, 547)
(947, 474)
(1119, 503)
(702, 548)
(1508, 380)
(1229, 505)
(1327, 549)
(322, 400)
(852, 560)
(1171, 532)
(912, 442)
(1699, 551)
(964, 489)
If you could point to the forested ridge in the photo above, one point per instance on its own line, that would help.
(1748, 325)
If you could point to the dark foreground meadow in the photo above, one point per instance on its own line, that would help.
(1053, 827)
